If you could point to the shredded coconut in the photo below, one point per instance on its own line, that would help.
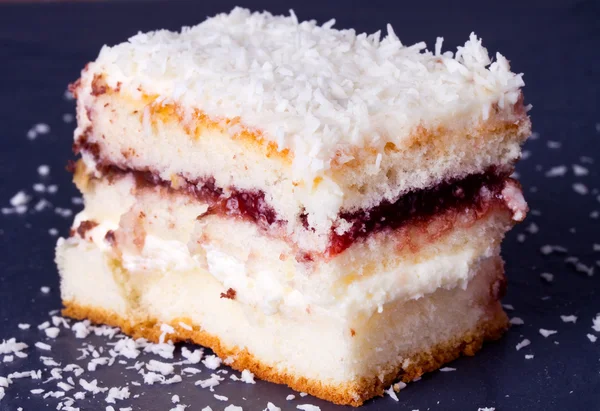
(517, 321)
(318, 81)
(212, 362)
(596, 323)
(547, 276)
(43, 170)
(546, 333)
(523, 344)
(557, 171)
(569, 318)
(580, 188)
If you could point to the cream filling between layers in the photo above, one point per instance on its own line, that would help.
(263, 270)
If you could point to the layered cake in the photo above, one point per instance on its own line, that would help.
(320, 207)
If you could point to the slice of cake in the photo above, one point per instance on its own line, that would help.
(320, 207)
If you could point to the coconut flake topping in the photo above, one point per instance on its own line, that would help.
(315, 90)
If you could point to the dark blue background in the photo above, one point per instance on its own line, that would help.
(43, 47)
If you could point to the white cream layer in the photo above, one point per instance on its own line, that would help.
(263, 270)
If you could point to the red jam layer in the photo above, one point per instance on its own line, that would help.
(475, 192)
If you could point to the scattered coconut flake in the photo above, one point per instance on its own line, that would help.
(517, 321)
(81, 329)
(568, 318)
(43, 346)
(24, 326)
(52, 332)
(41, 128)
(221, 397)
(68, 118)
(191, 370)
(523, 344)
(290, 397)
(508, 307)
(592, 337)
(161, 367)
(39, 188)
(546, 333)
(310, 407)
(521, 237)
(11, 346)
(181, 407)
(486, 409)
(247, 377)
(447, 369)
(43, 170)
(553, 144)
(36, 391)
(390, 391)
(232, 407)
(64, 386)
(212, 362)
(210, 383)
(549, 249)
(192, 357)
(547, 276)
(92, 386)
(19, 199)
(151, 377)
(272, 407)
(596, 323)
(528, 356)
(117, 394)
(303, 394)
(580, 188)
(557, 171)
(580, 170)
(53, 232)
(532, 228)
(31, 134)
(45, 289)
(8, 358)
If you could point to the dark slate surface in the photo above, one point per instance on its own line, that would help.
(42, 48)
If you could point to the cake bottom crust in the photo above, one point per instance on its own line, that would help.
(355, 394)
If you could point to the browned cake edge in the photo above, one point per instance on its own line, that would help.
(355, 393)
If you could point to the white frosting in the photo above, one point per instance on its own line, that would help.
(315, 90)
(269, 289)
(160, 255)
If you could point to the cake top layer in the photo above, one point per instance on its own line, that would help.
(319, 92)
